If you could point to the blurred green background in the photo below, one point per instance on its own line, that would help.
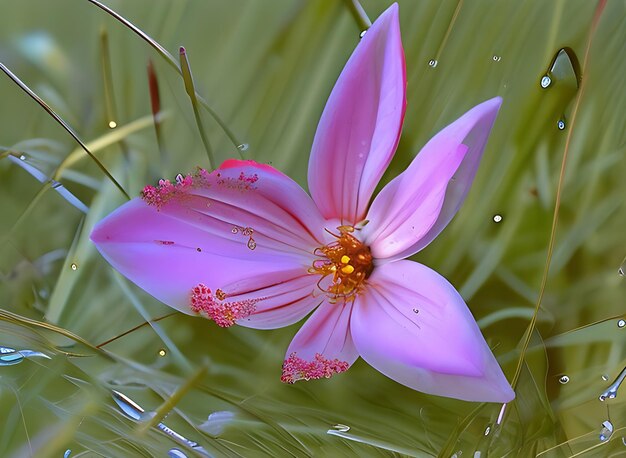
(266, 68)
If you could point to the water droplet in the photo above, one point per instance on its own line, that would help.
(179, 178)
(546, 81)
(112, 124)
(74, 266)
(563, 379)
(561, 124)
(497, 218)
(496, 58)
(416, 311)
(23, 157)
(176, 453)
(611, 391)
(605, 377)
(607, 430)
(362, 34)
(8, 356)
(623, 440)
(162, 352)
(432, 63)
(487, 430)
(621, 323)
(621, 271)
(243, 147)
(67, 453)
(251, 243)
(341, 428)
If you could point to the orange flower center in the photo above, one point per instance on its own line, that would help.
(349, 262)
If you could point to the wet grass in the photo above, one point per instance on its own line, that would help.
(542, 280)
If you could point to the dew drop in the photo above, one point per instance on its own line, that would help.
(607, 430)
(112, 124)
(176, 453)
(561, 124)
(416, 311)
(23, 157)
(621, 323)
(362, 34)
(620, 271)
(605, 377)
(487, 430)
(67, 453)
(563, 379)
(497, 218)
(162, 352)
(8, 356)
(496, 58)
(234, 230)
(611, 391)
(243, 147)
(251, 243)
(74, 266)
(179, 178)
(432, 63)
(546, 81)
(341, 428)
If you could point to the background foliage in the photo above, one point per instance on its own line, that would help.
(267, 68)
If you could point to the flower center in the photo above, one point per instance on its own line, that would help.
(349, 262)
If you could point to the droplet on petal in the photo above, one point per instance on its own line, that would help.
(563, 379)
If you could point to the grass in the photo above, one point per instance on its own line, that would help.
(261, 74)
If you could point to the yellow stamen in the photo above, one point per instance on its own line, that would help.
(345, 259)
(347, 269)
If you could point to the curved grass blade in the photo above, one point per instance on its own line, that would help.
(191, 92)
(63, 124)
(557, 204)
(50, 183)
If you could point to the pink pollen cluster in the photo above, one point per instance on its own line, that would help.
(213, 305)
(159, 195)
(248, 179)
(295, 368)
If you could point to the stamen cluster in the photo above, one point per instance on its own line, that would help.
(349, 262)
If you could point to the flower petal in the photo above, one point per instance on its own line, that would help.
(413, 326)
(323, 346)
(415, 207)
(200, 239)
(360, 127)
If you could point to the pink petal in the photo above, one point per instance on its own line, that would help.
(360, 126)
(415, 207)
(214, 231)
(413, 326)
(323, 346)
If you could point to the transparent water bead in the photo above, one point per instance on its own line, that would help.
(621, 323)
(561, 124)
(546, 81)
(176, 453)
(10, 356)
(497, 218)
(611, 391)
(74, 266)
(341, 428)
(563, 379)
(362, 34)
(243, 147)
(607, 430)
(112, 124)
(432, 63)
(496, 58)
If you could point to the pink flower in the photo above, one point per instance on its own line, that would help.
(245, 244)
